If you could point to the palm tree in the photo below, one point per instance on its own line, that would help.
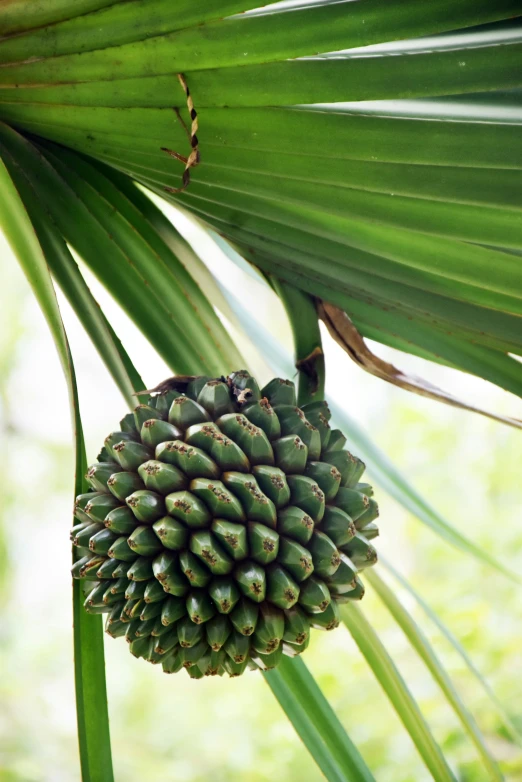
(363, 156)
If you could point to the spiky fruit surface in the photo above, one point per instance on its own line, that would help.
(223, 523)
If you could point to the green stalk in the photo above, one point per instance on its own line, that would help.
(308, 349)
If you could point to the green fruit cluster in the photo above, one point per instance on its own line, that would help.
(223, 523)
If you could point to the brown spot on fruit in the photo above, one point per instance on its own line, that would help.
(232, 540)
(316, 491)
(183, 506)
(267, 407)
(209, 557)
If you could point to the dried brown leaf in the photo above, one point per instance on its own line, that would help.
(346, 335)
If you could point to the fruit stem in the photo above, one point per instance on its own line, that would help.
(309, 357)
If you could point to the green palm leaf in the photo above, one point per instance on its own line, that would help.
(423, 648)
(299, 187)
(457, 646)
(292, 677)
(396, 690)
(89, 666)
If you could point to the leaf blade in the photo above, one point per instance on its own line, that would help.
(396, 690)
(344, 79)
(457, 646)
(89, 665)
(306, 691)
(420, 643)
(294, 32)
